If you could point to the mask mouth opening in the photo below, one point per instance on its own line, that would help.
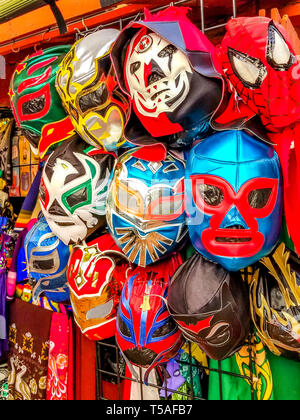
(232, 239)
(141, 357)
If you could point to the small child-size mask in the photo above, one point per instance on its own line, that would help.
(35, 102)
(275, 302)
(96, 275)
(145, 206)
(211, 306)
(90, 93)
(73, 189)
(233, 199)
(47, 262)
(146, 333)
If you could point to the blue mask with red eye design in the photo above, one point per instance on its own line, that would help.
(234, 199)
(145, 206)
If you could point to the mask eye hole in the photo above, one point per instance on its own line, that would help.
(77, 197)
(134, 67)
(211, 195)
(259, 198)
(250, 71)
(94, 99)
(43, 265)
(123, 327)
(34, 106)
(167, 51)
(165, 329)
(278, 53)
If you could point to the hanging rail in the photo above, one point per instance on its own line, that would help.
(129, 18)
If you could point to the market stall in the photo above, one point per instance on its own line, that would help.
(149, 188)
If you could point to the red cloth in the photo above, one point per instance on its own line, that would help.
(85, 367)
(59, 381)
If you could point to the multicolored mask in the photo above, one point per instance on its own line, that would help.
(96, 275)
(47, 262)
(90, 93)
(211, 306)
(275, 302)
(145, 205)
(168, 68)
(73, 189)
(234, 199)
(35, 102)
(262, 66)
(146, 333)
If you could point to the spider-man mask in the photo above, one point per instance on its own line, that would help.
(90, 93)
(275, 302)
(145, 205)
(47, 262)
(146, 333)
(261, 64)
(35, 102)
(96, 275)
(234, 199)
(211, 306)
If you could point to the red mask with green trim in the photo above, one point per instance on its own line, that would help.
(35, 102)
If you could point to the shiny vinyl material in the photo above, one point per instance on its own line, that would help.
(96, 275)
(210, 306)
(275, 302)
(145, 206)
(73, 189)
(34, 100)
(90, 93)
(47, 259)
(233, 199)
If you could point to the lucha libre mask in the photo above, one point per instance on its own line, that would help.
(234, 199)
(47, 260)
(211, 306)
(146, 333)
(96, 274)
(275, 302)
(145, 206)
(168, 68)
(90, 93)
(73, 189)
(35, 102)
(261, 65)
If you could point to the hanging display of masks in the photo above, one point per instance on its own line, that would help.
(36, 105)
(47, 259)
(96, 275)
(234, 199)
(73, 189)
(275, 302)
(211, 306)
(146, 333)
(145, 205)
(90, 93)
(167, 209)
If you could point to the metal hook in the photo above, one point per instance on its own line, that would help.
(12, 47)
(46, 40)
(83, 23)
